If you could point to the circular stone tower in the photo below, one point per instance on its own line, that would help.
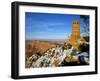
(75, 35)
(75, 30)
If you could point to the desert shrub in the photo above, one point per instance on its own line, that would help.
(83, 47)
(69, 46)
(74, 51)
(64, 46)
(86, 38)
(69, 59)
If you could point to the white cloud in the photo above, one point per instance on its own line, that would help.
(47, 26)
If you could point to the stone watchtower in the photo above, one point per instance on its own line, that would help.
(75, 30)
(75, 35)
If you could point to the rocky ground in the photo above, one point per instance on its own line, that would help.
(57, 57)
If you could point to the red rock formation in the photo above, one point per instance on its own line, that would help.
(37, 47)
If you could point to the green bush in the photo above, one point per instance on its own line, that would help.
(83, 47)
(74, 51)
(86, 38)
(69, 46)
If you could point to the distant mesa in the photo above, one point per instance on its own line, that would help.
(38, 47)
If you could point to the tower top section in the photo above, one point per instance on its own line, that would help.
(76, 22)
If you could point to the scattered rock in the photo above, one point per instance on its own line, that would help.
(55, 57)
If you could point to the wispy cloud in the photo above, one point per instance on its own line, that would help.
(46, 26)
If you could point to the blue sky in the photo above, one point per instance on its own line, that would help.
(48, 26)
